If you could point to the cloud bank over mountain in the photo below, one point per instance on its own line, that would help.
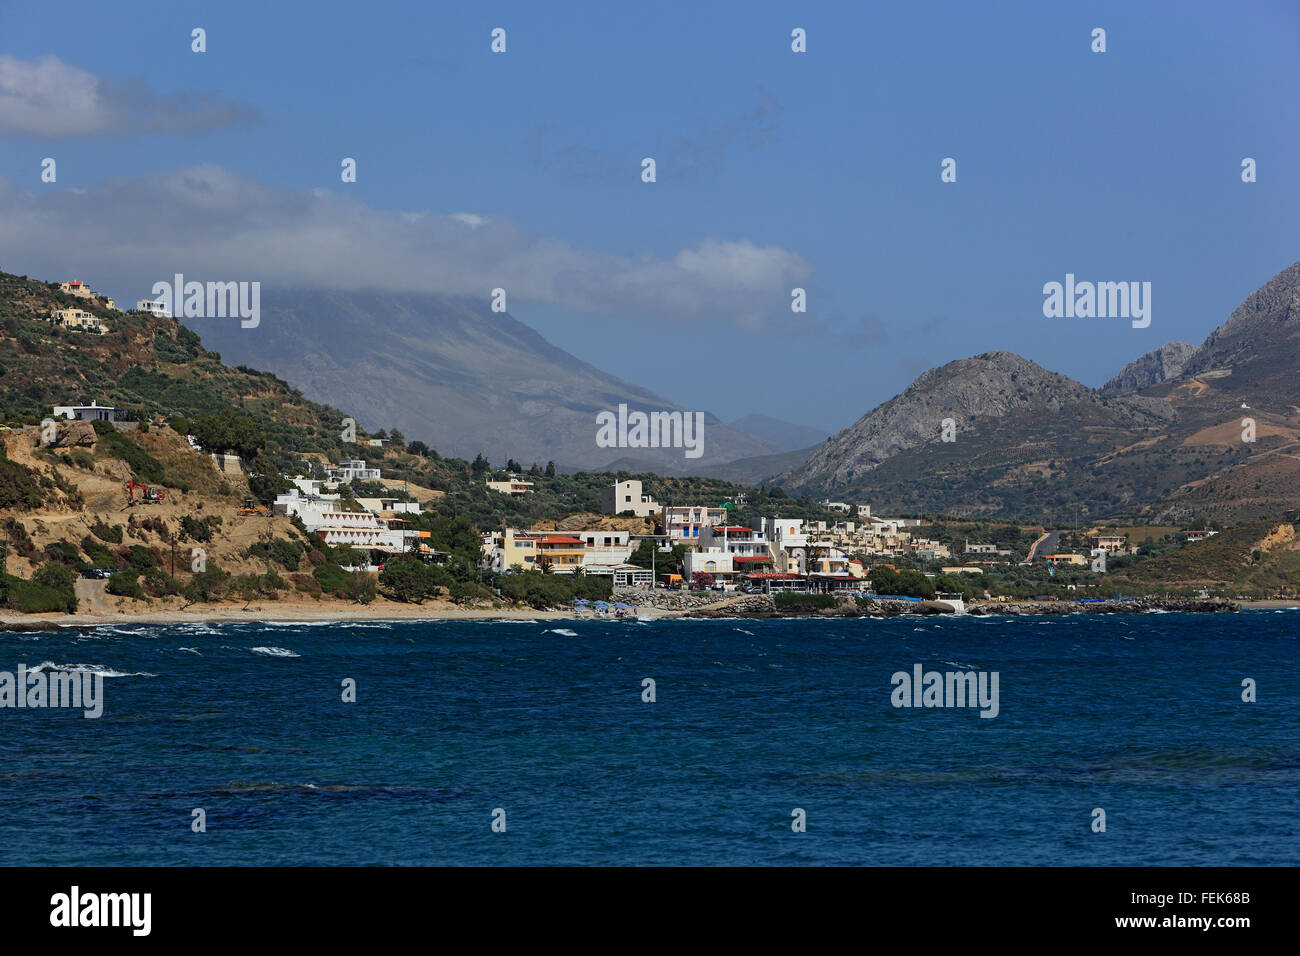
(213, 224)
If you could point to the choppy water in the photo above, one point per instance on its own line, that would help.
(1139, 715)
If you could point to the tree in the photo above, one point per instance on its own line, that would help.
(361, 587)
(54, 574)
(418, 448)
(550, 469)
(266, 481)
(480, 464)
(702, 579)
(406, 579)
(228, 432)
(247, 588)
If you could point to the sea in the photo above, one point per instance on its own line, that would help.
(1118, 739)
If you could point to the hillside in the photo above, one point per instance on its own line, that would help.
(1258, 556)
(1254, 353)
(450, 372)
(1034, 444)
(148, 365)
(1158, 365)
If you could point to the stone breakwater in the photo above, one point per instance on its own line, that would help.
(696, 604)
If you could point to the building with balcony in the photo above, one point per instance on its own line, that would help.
(562, 553)
(515, 487)
(351, 469)
(683, 523)
(78, 319)
(155, 307)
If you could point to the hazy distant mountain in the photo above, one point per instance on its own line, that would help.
(1158, 365)
(1030, 442)
(454, 374)
(786, 436)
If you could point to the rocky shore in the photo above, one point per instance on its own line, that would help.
(694, 604)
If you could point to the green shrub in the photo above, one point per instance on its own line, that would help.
(18, 485)
(195, 528)
(105, 532)
(207, 585)
(361, 587)
(306, 583)
(140, 559)
(408, 580)
(126, 584)
(332, 578)
(56, 575)
(158, 584)
(30, 597)
(114, 444)
(804, 602)
(100, 556)
(63, 552)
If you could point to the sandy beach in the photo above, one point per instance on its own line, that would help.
(236, 613)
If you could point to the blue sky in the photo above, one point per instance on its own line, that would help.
(775, 169)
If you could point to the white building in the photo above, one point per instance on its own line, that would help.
(628, 496)
(325, 516)
(515, 486)
(390, 505)
(155, 307)
(728, 550)
(788, 542)
(352, 469)
(87, 413)
(603, 549)
(624, 575)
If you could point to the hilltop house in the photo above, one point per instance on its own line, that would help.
(80, 290)
(387, 505)
(515, 487)
(1114, 544)
(351, 469)
(155, 307)
(87, 413)
(77, 319)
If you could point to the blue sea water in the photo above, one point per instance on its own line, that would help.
(1140, 715)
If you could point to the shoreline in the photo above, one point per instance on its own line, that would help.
(12, 622)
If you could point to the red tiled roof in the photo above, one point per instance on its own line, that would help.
(730, 528)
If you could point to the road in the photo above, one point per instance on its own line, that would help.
(1047, 544)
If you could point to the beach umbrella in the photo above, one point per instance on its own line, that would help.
(622, 607)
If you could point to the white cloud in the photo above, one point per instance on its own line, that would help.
(50, 99)
(210, 223)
